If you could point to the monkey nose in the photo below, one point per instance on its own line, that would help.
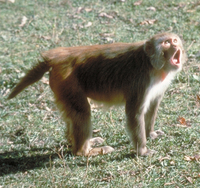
(174, 45)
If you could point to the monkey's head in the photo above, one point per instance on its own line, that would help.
(165, 51)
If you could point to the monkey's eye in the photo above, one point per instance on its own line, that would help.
(175, 40)
(167, 42)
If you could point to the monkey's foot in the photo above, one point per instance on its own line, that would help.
(100, 150)
(96, 141)
(144, 152)
(155, 134)
(149, 152)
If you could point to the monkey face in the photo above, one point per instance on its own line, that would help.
(168, 49)
(172, 51)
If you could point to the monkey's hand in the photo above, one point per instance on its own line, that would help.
(155, 134)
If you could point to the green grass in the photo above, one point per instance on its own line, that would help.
(33, 150)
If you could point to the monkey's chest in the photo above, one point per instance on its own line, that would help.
(155, 91)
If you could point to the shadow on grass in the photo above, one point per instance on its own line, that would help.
(23, 160)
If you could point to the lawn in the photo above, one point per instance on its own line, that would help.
(33, 150)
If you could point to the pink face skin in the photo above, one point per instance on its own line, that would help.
(172, 51)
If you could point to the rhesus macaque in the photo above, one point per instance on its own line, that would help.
(136, 74)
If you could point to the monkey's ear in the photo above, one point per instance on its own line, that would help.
(154, 54)
(148, 48)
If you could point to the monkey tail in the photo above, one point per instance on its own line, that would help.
(32, 76)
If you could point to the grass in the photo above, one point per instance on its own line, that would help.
(33, 151)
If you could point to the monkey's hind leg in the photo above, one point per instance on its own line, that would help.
(76, 113)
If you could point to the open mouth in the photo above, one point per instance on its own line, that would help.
(175, 60)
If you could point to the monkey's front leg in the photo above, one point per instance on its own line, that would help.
(136, 127)
(150, 117)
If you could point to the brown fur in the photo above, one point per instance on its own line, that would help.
(111, 73)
